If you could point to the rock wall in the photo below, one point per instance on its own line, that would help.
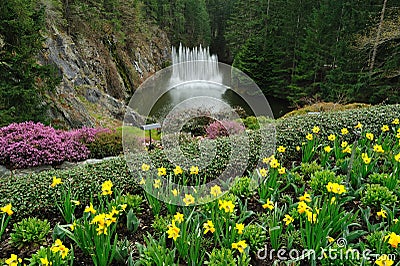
(99, 74)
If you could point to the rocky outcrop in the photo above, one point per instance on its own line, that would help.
(98, 76)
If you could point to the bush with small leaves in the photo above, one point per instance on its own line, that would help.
(30, 232)
(243, 187)
(308, 169)
(221, 257)
(160, 224)
(255, 236)
(133, 202)
(223, 129)
(377, 195)
(320, 179)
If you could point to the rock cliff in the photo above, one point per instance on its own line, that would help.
(100, 67)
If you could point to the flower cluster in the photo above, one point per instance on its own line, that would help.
(32, 144)
(58, 247)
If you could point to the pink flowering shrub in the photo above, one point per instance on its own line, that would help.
(223, 128)
(31, 144)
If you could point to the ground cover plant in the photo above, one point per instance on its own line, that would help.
(328, 196)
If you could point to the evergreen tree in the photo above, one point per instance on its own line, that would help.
(22, 80)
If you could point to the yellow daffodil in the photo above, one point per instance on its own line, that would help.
(330, 239)
(396, 121)
(161, 171)
(72, 226)
(142, 181)
(298, 148)
(239, 228)
(369, 136)
(309, 136)
(145, 167)
(189, 199)
(76, 202)
(215, 191)
(344, 144)
(208, 227)
(347, 150)
(384, 260)
(311, 217)
(178, 217)
(157, 183)
(382, 213)
(281, 149)
(56, 181)
(327, 149)
(269, 205)
(44, 261)
(397, 157)
(175, 192)
(106, 188)
(378, 148)
(274, 163)
(344, 131)
(240, 246)
(194, 170)
(333, 200)
(394, 239)
(306, 197)
(173, 232)
(263, 172)
(228, 206)
(13, 260)
(282, 170)
(359, 126)
(178, 170)
(315, 130)
(90, 209)
(331, 137)
(365, 158)
(288, 219)
(7, 209)
(385, 128)
(302, 207)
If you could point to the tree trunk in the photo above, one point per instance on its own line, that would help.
(378, 35)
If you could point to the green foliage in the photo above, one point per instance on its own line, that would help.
(243, 187)
(160, 224)
(32, 194)
(106, 144)
(320, 179)
(255, 236)
(377, 195)
(291, 131)
(22, 80)
(308, 169)
(155, 252)
(133, 202)
(221, 257)
(30, 232)
(123, 250)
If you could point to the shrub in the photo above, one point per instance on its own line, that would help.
(133, 202)
(32, 195)
(221, 257)
(320, 179)
(105, 144)
(377, 195)
(223, 129)
(255, 236)
(30, 232)
(308, 169)
(32, 144)
(243, 187)
(291, 131)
